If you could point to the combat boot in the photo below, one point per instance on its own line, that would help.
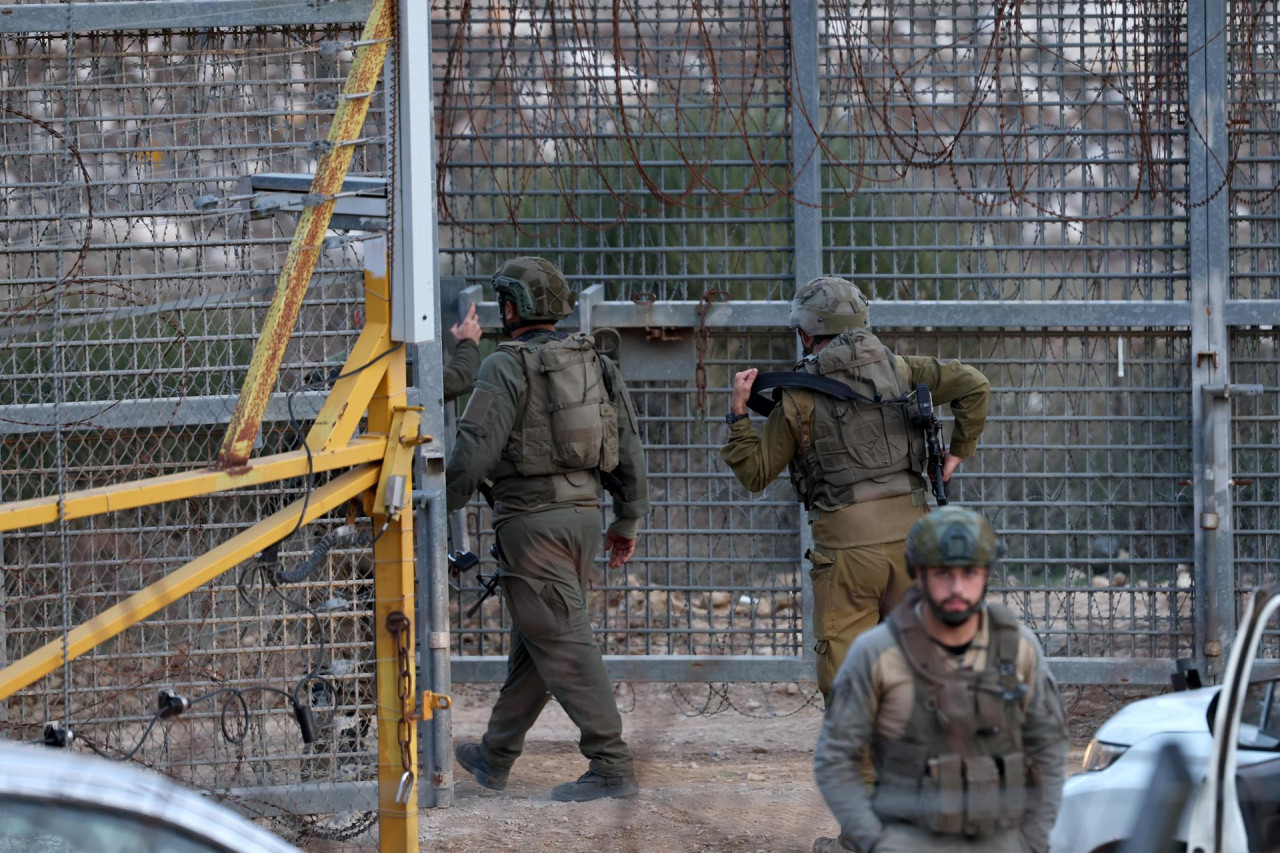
(591, 786)
(473, 759)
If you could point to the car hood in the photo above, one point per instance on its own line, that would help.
(76, 779)
(1185, 711)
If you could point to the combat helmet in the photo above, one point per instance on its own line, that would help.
(828, 306)
(952, 536)
(536, 287)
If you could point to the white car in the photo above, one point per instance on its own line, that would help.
(1231, 749)
(54, 801)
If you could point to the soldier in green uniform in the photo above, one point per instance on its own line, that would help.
(548, 418)
(955, 701)
(460, 372)
(855, 465)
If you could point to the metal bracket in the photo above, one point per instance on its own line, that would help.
(398, 463)
(361, 205)
(431, 702)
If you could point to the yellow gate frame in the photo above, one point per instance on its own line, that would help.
(372, 382)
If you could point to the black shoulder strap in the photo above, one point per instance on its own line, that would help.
(762, 405)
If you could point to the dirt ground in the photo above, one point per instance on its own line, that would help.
(720, 769)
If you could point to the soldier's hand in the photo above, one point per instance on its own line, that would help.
(742, 383)
(949, 465)
(469, 329)
(619, 549)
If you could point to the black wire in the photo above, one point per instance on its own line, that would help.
(296, 426)
(238, 693)
(306, 496)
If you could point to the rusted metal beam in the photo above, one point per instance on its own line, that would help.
(308, 240)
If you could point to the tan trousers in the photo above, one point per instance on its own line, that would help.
(854, 589)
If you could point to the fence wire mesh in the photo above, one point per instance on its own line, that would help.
(995, 152)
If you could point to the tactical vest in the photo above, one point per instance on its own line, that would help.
(856, 451)
(569, 422)
(959, 767)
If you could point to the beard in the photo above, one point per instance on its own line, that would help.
(953, 618)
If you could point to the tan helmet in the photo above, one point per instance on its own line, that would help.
(829, 306)
(952, 536)
(536, 287)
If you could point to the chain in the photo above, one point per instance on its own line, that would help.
(399, 626)
(701, 342)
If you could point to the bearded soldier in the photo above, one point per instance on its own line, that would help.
(954, 699)
(855, 462)
(549, 418)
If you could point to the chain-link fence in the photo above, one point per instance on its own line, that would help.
(135, 280)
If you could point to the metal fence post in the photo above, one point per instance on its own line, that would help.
(416, 316)
(806, 194)
(1208, 199)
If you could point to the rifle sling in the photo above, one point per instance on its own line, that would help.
(763, 405)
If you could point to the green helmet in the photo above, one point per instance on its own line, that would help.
(952, 536)
(828, 306)
(536, 287)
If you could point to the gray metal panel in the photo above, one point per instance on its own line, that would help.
(493, 669)
(178, 14)
(302, 798)
(1252, 312)
(898, 315)
(659, 668)
(416, 275)
(1111, 671)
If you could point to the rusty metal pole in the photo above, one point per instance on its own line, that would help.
(308, 240)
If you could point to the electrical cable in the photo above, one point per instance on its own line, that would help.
(234, 736)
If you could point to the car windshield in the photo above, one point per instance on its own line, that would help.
(1260, 716)
(28, 826)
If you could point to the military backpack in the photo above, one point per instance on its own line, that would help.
(569, 422)
(860, 449)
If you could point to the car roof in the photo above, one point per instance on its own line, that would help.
(76, 779)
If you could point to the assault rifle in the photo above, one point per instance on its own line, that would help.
(461, 561)
(927, 419)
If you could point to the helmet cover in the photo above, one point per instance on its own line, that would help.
(952, 536)
(828, 306)
(536, 288)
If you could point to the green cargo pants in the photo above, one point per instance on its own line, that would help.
(854, 589)
(546, 560)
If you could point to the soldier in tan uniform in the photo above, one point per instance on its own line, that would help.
(955, 702)
(548, 423)
(856, 465)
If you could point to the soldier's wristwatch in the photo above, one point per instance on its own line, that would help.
(732, 419)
